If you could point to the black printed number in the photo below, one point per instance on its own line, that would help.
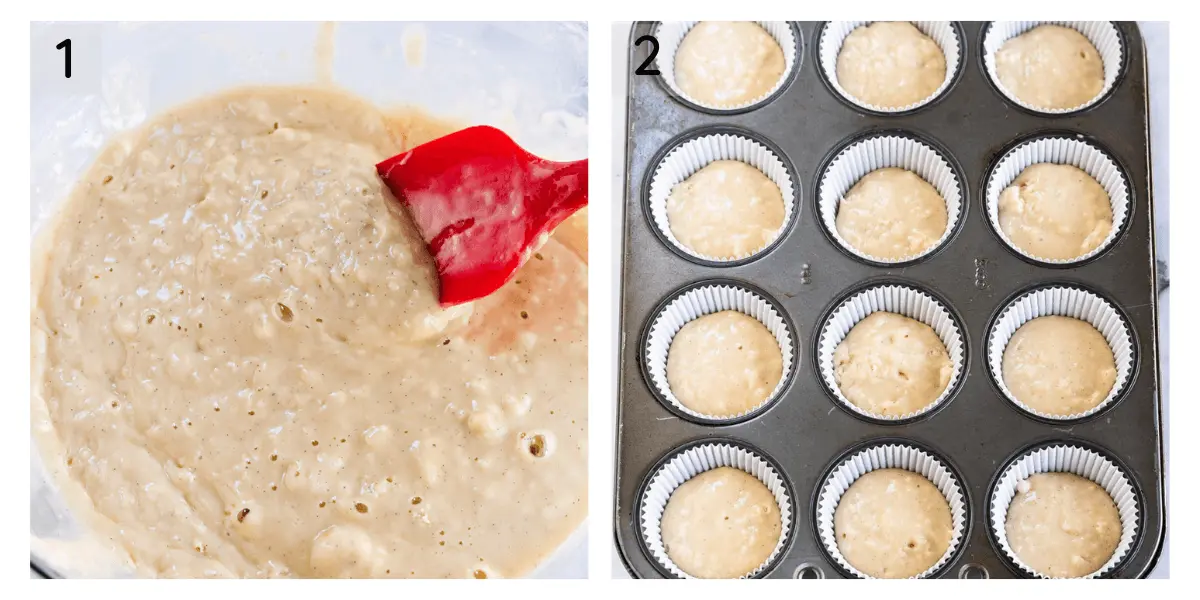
(645, 68)
(65, 46)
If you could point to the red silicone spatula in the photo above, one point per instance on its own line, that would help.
(482, 203)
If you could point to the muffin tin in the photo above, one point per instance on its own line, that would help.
(977, 433)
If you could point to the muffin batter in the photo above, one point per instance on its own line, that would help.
(728, 63)
(892, 214)
(1050, 67)
(241, 369)
(1055, 211)
(724, 364)
(1059, 366)
(892, 524)
(728, 209)
(891, 366)
(1062, 525)
(890, 64)
(721, 524)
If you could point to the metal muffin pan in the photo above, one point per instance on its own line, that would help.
(977, 430)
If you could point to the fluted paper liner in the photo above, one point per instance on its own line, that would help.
(1102, 34)
(1067, 302)
(692, 462)
(943, 33)
(671, 33)
(1067, 458)
(890, 456)
(879, 152)
(903, 300)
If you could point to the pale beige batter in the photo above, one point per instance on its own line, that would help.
(892, 524)
(890, 365)
(723, 364)
(1059, 366)
(721, 524)
(1051, 67)
(728, 63)
(892, 214)
(1055, 211)
(241, 369)
(890, 64)
(728, 209)
(1062, 525)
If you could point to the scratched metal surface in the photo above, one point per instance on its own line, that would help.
(977, 431)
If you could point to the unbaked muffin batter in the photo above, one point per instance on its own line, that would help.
(1050, 66)
(1059, 366)
(892, 214)
(890, 64)
(724, 364)
(891, 366)
(241, 368)
(728, 209)
(1062, 525)
(728, 63)
(1055, 211)
(893, 524)
(721, 524)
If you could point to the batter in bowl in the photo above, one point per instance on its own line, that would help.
(728, 210)
(891, 366)
(728, 63)
(890, 64)
(1062, 525)
(1050, 67)
(241, 368)
(721, 524)
(892, 214)
(724, 364)
(1055, 211)
(1059, 366)
(893, 524)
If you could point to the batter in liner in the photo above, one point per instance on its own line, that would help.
(241, 369)
(1055, 211)
(893, 524)
(1062, 525)
(1051, 67)
(892, 214)
(728, 209)
(1059, 366)
(728, 63)
(721, 524)
(724, 364)
(890, 365)
(890, 64)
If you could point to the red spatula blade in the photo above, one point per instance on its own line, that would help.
(481, 203)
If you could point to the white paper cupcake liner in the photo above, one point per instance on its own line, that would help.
(879, 152)
(1067, 302)
(1060, 150)
(1067, 458)
(943, 33)
(1102, 34)
(890, 456)
(692, 462)
(671, 33)
(694, 154)
(705, 300)
(902, 300)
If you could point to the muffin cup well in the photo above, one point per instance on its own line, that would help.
(1102, 34)
(1063, 301)
(694, 153)
(671, 33)
(703, 299)
(1066, 458)
(944, 34)
(904, 300)
(692, 460)
(885, 455)
(875, 152)
(1060, 149)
